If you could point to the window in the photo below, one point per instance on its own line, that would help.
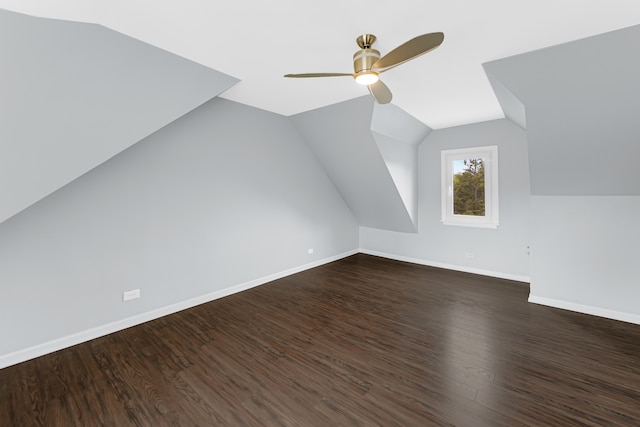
(470, 187)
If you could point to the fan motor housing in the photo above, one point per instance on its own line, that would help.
(364, 59)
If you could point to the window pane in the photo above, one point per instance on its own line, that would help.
(468, 187)
(469, 192)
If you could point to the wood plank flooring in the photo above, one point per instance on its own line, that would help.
(363, 341)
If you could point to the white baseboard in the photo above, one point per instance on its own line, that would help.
(587, 309)
(508, 276)
(89, 334)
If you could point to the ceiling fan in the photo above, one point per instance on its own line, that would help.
(367, 63)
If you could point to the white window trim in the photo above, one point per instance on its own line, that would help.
(489, 155)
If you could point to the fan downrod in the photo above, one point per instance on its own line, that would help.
(365, 41)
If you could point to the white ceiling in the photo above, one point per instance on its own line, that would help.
(259, 41)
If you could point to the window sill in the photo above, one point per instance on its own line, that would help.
(472, 224)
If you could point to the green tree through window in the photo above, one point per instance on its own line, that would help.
(468, 187)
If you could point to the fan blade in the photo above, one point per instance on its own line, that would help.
(409, 50)
(297, 76)
(380, 92)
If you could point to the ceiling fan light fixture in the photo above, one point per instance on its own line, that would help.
(367, 62)
(367, 78)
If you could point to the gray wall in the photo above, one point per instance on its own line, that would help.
(401, 159)
(501, 252)
(585, 254)
(582, 103)
(222, 196)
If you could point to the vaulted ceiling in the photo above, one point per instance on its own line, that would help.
(582, 105)
(67, 83)
(73, 95)
(258, 42)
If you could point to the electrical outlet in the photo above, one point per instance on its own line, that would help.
(469, 255)
(129, 295)
(310, 251)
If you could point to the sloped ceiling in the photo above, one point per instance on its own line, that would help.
(259, 41)
(582, 106)
(77, 94)
(398, 135)
(73, 95)
(340, 136)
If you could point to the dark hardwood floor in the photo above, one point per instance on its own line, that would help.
(360, 342)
